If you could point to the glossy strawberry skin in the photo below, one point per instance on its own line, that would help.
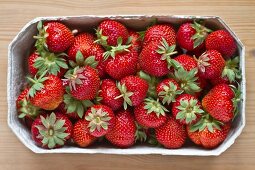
(123, 134)
(81, 135)
(218, 103)
(208, 139)
(109, 92)
(157, 32)
(219, 80)
(221, 41)
(111, 122)
(51, 95)
(138, 86)
(122, 65)
(217, 64)
(150, 61)
(113, 30)
(184, 37)
(59, 37)
(148, 120)
(37, 122)
(186, 61)
(172, 134)
(136, 43)
(90, 85)
(187, 97)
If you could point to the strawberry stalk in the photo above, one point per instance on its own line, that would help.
(201, 33)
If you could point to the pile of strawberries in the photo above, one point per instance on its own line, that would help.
(163, 86)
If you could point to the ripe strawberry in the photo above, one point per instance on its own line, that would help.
(211, 64)
(51, 130)
(31, 60)
(221, 41)
(81, 135)
(208, 132)
(55, 36)
(171, 134)
(62, 108)
(133, 90)
(109, 92)
(122, 65)
(155, 58)
(219, 80)
(167, 90)
(46, 92)
(187, 109)
(136, 42)
(110, 31)
(123, 133)
(186, 61)
(157, 32)
(191, 36)
(220, 103)
(150, 113)
(84, 82)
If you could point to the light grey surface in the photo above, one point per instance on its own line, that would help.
(19, 50)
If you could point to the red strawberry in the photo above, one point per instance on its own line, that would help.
(101, 120)
(46, 92)
(155, 58)
(186, 61)
(123, 134)
(187, 109)
(219, 80)
(110, 31)
(109, 92)
(51, 131)
(211, 64)
(55, 36)
(31, 60)
(84, 82)
(136, 42)
(208, 132)
(157, 32)
(219, 103)
(133, 90)
(167, 90)
(122, 65)
(191, 36)
(62, 108)
(221, 41)
(150, 114)
(172, 134)
(81, 135)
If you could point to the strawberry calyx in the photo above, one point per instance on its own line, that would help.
(75, 77)
(125, 94)
(37, 84)
(140, 134)
(187, 80)
(81, 61)
(73, 105)
(206, 122)
(200, 35)
(152, 82)
(152, 105)
(231, 70)
(203, 62)
(169, 93)
(101, 39)
(188, 110)
(52, 131)
(166, 51)
(40, 43)
(27, 109)
(237, 99)
(97, 119)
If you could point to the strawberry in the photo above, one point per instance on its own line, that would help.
(191, 36)
(62, 108)
(167, 90)
(101, 120)
(155, 33)
(81, 135)
(136, 42)
(46, 92)
(55, 36)
(220, 102)
(122, 64)
(172, 134)
(133, 90)
(51, 130)
(31, 60)
(109, 92)
(150, 113)
(211, 64)
(84, 82)
(221, 41)
(187, 109)
(110, 31)
(186, 61)
(208, 132)
(123, 134)
(155, 58)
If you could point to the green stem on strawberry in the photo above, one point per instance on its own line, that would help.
(152, 81)
(37, 84)
(81, 61)
(140, 134)
(201, 33)
(125, 94)
(231, 70)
